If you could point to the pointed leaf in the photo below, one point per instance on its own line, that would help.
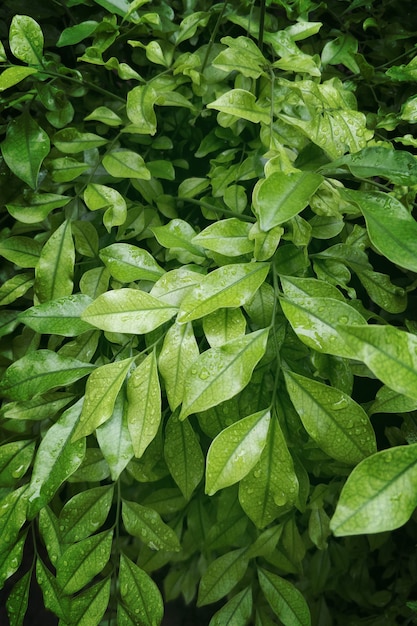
(220, 373)
(15, 288)
(17, 602)
(235, 451)
(140, 594)
(284, 599)
(53, 598)
(13, 512)
(140, 109)
(59, 317)
(101, 391)
(144, 404)
(11, 558)
(39, 408)
(145, 523)
(21, 251)
(222, 575)
(128, 311)
(179, 350)
(15, 458)
(224, 325)
(66, 169)
(98, 196)
(13, 75)
(174, 285)
(55, 269)
(35, 207)
(236, 612)
(380, 494)
(85, 512)
(227, 286)
(80, 562)
(88, 607)
(183, 455)
(242, 104)
(127, 263)
(70, 141)
(229, 237)
(114, 439)
(26, 40)
(126, 164)
(51, 535)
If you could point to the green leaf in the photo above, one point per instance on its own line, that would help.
(183, 455)
(145, 523)
(391, 228)
(128, 263)
(84, 513)
(26, 40)
(144, 404)
(229, 237)
(24, 148)
(177, 235)
(126, 164)
(49, 530)
(14, 75)
(103, 385)
(74, 34)
(13, 512)
(228, 286)
(114, 439)
(220, 373)
(80, 562)
(86, 238)
(40, 371)
(189, 25)
(383, 292)
(336, 422)
(236, 612)
(15, 288)
(88, 607)
(128, 311)
(71, 141)
(224, 325)
(56, 459)
(179, 350)
(284, 599)
(35, 207)
(242, 104)
(235, 451)
(11, 558)
(140, 594)
(140, 109)
(55, 268)
(175, 284)
(17, 602)
(103, 197)
(282, 195)
(242, 55)
(53, 598)
(379, 495)
(38, 408)
(22, 251)
(66, 169)
(341, 50)
(389, 401)
(222, 575)
(59, 317)
(272, 485)
(15, 458)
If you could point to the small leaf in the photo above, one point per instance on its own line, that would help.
(74, 34)
(80, 562)
(22, 251)
(17, 602)
(103, 385)
(15, 458)
(220, 373)
(103, 197)
(114, 439)
(237, 610)
(11, 558)
(144, 404)
(235, 451)
(128, 311)
(26, 39)
(183, 455)
(84, 513)
(222, 575)
(13, 513)
(71, 141)
(126, 164)
(14, 75)
(140, 594)
(242, 104)
(59, 317)
(145, 523)
(55, 268)
(284, 599)
(24, 148)
(140, 109)
(379, 495)
(15, 288)
(128, 263)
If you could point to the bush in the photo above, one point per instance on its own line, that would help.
(208, 318)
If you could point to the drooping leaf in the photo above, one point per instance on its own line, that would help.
(237, 610)
(140, 594)
(102, 387)
(84, 513)
(17, 602)
(128, 263)
(145, 523)
(183, 455)
(114, 439)
(235, 451)
(222, 575)
(55, 268)
(380, 494)
(143, 404)
(220, 373)
(53, 598)
(88, 607)
(284, 599)
(59, 317)
(26, 39)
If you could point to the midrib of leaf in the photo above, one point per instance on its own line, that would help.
(56, 265)
(42, 375)
(85, 555)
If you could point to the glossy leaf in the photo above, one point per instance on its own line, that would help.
(237, 610)
(13, 75)
(17, 602)
(22, 251)
(15, 288)
(227, 286)
(71, 141)
(242, 104)
(128, 311)
(11, 558)
(103, 385)
(38, 408)
(114, 439)
(284, 599)
(224, 325)
(60, 317)
(56, 459)
(24, 148)
(139, 592)
(127, 263)
(177, 235)
(84, 513)
(235, 451)
(383, 292)
(88, 607)
(140, 109)
(229, 237)
(143, 404)
(183, 455)
(52, 594)
(174, 285)
(389, 401)
(85, 238)
(13, 513)
(126, 164)
(222, 575)
(15, 458)
(26, 40)
(220, 373)
(55, 269)
(80, 562)
(35, 207)
(145, 523)
(97, 196)
(380, 494)
(51, 535)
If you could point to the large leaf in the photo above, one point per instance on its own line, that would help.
(85, 512)
(237, 610)
(336, 422)
(128, 311)
(220, 373)
(145, 523)
(101, 391)
(127, 263)
(55, 269)
(235, 451)
(41, 371)
(88, 607)
(140, 594)
(222, 575)
(183, 455)
(227, 286)
(59, 317)
(143, 404)
(284, 599)
(380, 494)
(26, 40)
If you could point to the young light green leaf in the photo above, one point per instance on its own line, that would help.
(40, 371)
(128, 311)
(26, 40)
(80, 562)
(59, 317)
(336, 422)
(235, 451)
(242, 55)
(127, 263)
(389, 401)
(140, 594)
(98, 196)
(114, 439)
(15, 288)
(189, 25)
(236, 612)
(71, 141)
(285, 599)
(38, 408)
(143, 404)
(229, 237)
(242, 104)
(17, 602)
(228, 286)
(140, 109)
(173, 286)
(222, 575)
(88, 607)
(14, 75)
(84, 513)
(283, 195)
(379, 495)
(24, 148)
(224, 325)
(35, 207)
(56, 459)
(126, 164)
(55, 268)
(177, 235)
(145, 523)
(103, 385)
(179, 350)
(22, 251)
(220, 373)
(183, 455)
(15, 458)
(271, 487)
(53, 598)
(106, 116)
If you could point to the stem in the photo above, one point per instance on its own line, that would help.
(206, 205)
(213, 36)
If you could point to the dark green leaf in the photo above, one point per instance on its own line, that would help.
(285, 600)
(145, 523)
(222, 575)
(17, 602)
(85, 513)
(183, 455)
(140, 594)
